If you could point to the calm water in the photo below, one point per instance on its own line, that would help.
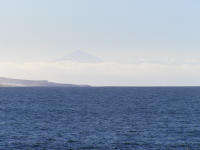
(100, 118)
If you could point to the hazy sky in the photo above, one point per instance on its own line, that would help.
(141, 42)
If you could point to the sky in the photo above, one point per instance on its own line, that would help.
(139, 42)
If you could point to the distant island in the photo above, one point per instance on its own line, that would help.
(9, 82)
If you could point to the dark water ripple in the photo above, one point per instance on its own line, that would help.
(100, 118)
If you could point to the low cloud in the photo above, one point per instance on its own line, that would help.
(107, 73)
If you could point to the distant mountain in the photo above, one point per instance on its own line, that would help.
(80, 56)
(8, 82)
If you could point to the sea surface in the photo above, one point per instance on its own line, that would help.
(101, 118)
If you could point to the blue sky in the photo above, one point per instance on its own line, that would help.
(117, 31)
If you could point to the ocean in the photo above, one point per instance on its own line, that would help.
(100, 118)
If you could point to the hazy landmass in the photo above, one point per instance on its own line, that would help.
(9, 82)
(81, 56)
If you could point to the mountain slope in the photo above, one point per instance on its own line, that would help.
(8, 82)
(82, 57)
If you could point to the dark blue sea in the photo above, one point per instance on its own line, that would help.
(101, 118)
